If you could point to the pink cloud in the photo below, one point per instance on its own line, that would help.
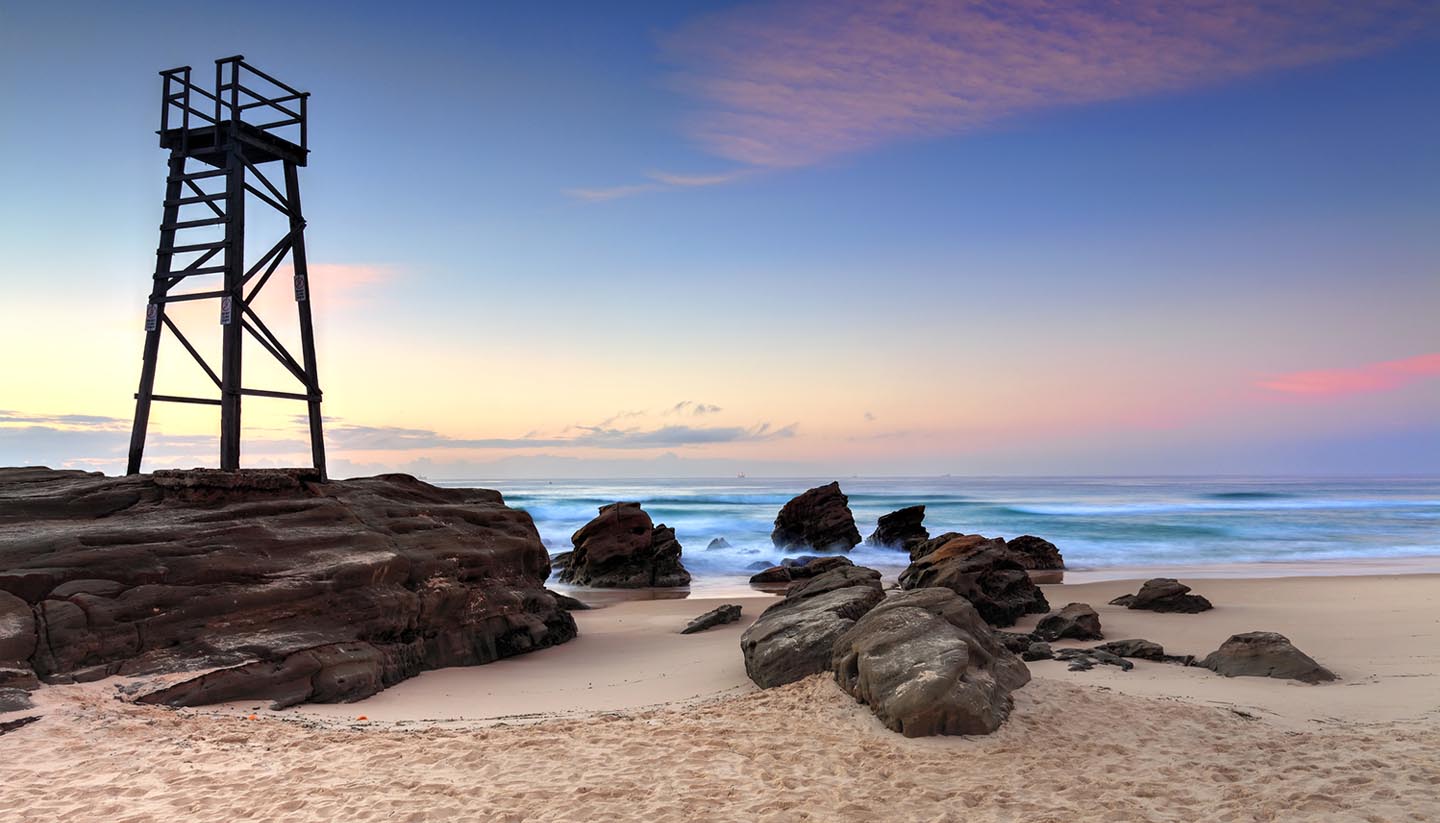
(794, 83)
(1374, 377)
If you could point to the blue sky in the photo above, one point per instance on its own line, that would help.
(544, 217)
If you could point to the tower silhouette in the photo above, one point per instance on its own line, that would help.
(219, 143)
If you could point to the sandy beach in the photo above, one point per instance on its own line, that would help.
(634, 721)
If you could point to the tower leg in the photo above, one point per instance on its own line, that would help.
(230, 372)
(155, 314)
(307, 326)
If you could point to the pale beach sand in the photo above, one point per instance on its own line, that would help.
(633, 721)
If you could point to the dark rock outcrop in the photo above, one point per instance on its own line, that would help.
(926, 663)
(1036, 553)
(981, 570)
(717, 544)
(1164, 594)
(795, 637)
(903, 529)
(819, 520)
(560, 561)
(1083, 660)
(1137, 648)
(622, 549)
(1265, 654)
(790, 570)
(1014, 641)
(1077, 621)
(282, 587)
(1037, 651)
(728, 613)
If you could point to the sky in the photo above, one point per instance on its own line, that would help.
(822, 237)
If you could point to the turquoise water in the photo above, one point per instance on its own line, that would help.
(1096, 522)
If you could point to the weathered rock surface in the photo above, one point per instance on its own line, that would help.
(1036, 553)
(819, 520)
(1137, 648)
(15, 700)
(926, 663)
(1014, 641)
(790, 570)
(623, 549)
(1037, 651)
(1083, 660)
(560, 561)
(1265, 654)
(284, 588)
(728, 613)
(1164, 594)
(903, 529)
(1077, 621)
(981, 570)
(795, 637)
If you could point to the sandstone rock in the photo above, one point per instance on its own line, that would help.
(283, 587)
(1014, 641)
(728, 613)
(1036, 553)
(1265, 654)
(622, 549)
(560, 561)
(819, 520)
(14, 700)
(926, 663)
(794, 638)
(1082, 660)
(903, 529)
(1139, 649)
(981, 570)
(791, 569)
(1037, 651)
(1077, 621)
(1164, 594)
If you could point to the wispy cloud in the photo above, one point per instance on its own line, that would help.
(76, 421)
(1374, 377)
(690, 407)
(659, 181)
(353, 437)
(793, 83)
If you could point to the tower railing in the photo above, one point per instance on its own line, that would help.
(242, 94)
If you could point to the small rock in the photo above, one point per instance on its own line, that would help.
(1086, 659)
(1265, 654)
(718, 543)
(568, 603)
(1077, 621)
(14, 700)
(1140, 649)
(728, 613)
(1014, 641)
(1164, 594)
(799, 568)
(1037, 651)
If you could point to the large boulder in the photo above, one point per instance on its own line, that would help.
(1164, 594)
(622, 549)
(926, 663)
(1036, 553)
(266, 584)
(981, 570)
(1077, 621)
(819, 520)
(794, 638)
(789, 570)
(1265, 654)
(902, 529)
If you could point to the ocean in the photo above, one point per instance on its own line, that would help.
(1097, 523)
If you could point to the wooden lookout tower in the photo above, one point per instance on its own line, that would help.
(222, 142)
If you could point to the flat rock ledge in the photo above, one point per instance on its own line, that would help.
(263, 584)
